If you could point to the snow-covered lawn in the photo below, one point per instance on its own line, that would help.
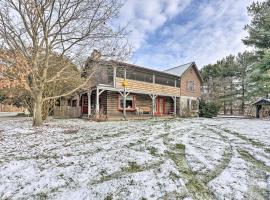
(153, 159)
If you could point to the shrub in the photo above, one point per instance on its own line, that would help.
(208, 109)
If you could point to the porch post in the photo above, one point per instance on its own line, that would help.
(114, 76)
(97, 102)
(174, 105)
(180, 107)
(89, 102)
(125, 95)
(124, 104)
(80, 102)
(153, 97)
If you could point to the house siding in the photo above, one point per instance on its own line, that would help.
(151, 88)
(141, 100)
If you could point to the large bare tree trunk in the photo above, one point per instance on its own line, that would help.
(51, 39)
(37, 113)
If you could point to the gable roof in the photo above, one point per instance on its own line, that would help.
(180, 70)
(262, 101)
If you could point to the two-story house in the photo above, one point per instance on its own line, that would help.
(126, 90)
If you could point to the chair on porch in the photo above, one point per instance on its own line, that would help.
(139, 111)
(145, 110)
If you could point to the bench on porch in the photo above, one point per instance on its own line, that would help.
(143, 110)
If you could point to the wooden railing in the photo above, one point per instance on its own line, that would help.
(140, 86)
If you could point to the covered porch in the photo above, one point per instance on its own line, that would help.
(103, 102)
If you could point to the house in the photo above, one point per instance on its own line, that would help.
(127, 90)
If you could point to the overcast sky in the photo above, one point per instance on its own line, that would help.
(168, 33)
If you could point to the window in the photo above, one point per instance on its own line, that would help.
(164, 80)
(130, 103)
(139, 75)
(188, 104)
(191, 86)
(104, 76)
(177, 83)
(120, 72)
(145, 76)
(74, 103)
(194, 105)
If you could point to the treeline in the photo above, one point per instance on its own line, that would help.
(235, 81)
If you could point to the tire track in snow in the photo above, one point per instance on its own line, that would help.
(259, 170)
(197, 189)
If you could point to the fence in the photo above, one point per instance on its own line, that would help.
(67, 111)
(10, 108)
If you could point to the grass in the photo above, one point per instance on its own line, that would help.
(152, 150)
(226, 158)
(252, 141)
(133, 167)
(259, 170)
(197, 189)
(257, 163)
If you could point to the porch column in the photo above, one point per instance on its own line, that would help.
(97, 102)
(174, 105)
(89, 102)
(114, 76)
(125, 95)
(80, 102)
(124, 104)
(153, 97)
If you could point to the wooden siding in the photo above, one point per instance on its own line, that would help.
(140, 86)
(140, 101)
(112, 103)
(103, 103)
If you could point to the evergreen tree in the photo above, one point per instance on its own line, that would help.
(259, 37)
(259, 28)
(245, 62)
(260, 77)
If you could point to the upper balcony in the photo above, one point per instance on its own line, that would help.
(139, 80)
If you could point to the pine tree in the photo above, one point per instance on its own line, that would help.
(259, 28)
(259, 37)
(245, 61)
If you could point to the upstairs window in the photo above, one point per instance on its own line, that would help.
(191, 86)
(162, 80)
(139, 76)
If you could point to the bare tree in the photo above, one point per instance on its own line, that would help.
(38, 30)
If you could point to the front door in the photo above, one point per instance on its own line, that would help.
(160, 106)
(84, 104)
